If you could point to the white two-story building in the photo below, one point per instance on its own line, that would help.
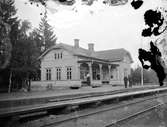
(66, 65)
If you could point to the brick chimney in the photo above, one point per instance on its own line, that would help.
(76, 43)
(91, 47)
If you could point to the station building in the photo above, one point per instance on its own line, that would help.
(65, 65)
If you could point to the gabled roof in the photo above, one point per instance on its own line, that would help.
(114, 54)
(72, 49)
(109, 55)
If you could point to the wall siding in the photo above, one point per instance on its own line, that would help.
(69, 60)
(124, 64)
(49, 61)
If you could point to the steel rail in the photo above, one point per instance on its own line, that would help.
(103, 93)
(100, 111)
(134, 115)
(47, 106)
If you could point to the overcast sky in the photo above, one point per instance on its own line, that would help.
(108, 27)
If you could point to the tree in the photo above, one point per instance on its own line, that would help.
(148, 76)
(25, 66)
(8, 37)
(43, 38)
(46, 34)
(24, 61)
(8, 23)
(17, 50)
(5, 45)
(37, 38)
(136, 75)
(25, 26)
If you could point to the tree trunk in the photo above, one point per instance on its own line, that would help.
(10, 82)
(29, 85)
(28, 82)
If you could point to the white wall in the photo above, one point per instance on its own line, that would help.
(125, 64)
(49, 61)
(68, 59)
(46, 85)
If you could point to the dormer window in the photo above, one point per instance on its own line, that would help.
(58, 55)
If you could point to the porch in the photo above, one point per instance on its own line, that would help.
(100, 72)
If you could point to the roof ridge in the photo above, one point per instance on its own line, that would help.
(72, 46)
(111, 50)
(110, 54)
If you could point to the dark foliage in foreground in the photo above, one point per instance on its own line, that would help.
(154, 57)
(136, 4)
(154, 20)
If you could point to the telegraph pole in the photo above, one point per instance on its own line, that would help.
(141, 66)
(142, 77)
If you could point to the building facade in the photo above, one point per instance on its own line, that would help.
(66, 65)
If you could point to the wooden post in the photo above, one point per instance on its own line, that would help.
(90, 71)
(79, 71)
(101, 77)
(109, 72)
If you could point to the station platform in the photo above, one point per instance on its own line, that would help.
(40, 97)
(27, 107)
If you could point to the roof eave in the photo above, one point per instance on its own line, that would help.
(116, 60)
(91, 57)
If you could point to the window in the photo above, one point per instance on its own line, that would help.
(96, 74)
(48, 74)
(55, 55)
(58, 73)
(69, 73)
(58, 55)
(61, 55)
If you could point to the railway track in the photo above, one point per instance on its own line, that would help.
(27, 109)
(31, 113)
(101, 94)
(64, 120)
(116, 123)
(14, 102)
